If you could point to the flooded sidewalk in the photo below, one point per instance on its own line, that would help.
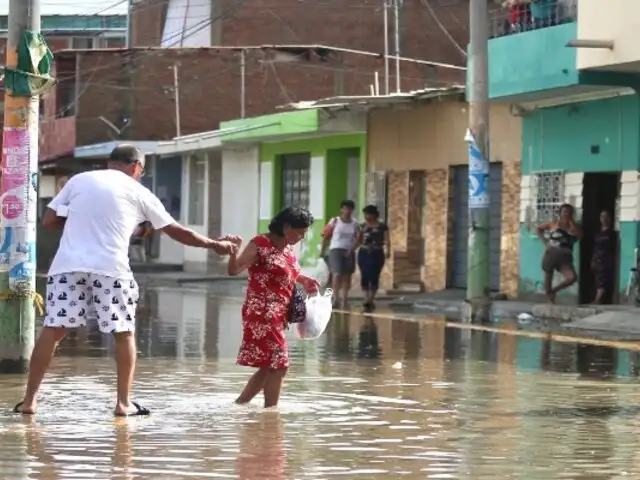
(375, 397)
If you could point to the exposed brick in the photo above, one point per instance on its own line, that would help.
(138, 85)
(119, 84)
(356, 25)
(147, 22)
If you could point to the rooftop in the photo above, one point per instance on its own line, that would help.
(371, 101)
(301, 52)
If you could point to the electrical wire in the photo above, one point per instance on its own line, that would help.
(444, 30)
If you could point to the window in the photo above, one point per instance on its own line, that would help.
(547, 189)
(295, 180)
(197, 190)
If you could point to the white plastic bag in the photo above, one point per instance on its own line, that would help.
(319, 308)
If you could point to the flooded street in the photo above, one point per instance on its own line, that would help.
(373, 398)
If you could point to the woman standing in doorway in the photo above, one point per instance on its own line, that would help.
(559, 236)
(373, 239)
(273, 273)
(603, 262)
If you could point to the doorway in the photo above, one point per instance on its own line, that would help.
(600, 192)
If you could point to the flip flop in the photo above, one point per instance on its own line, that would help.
(16, 409)
(140, 411)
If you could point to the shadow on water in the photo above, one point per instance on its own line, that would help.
(372, 398)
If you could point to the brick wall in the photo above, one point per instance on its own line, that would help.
(147, 22)
(355, 25)
(138, 85)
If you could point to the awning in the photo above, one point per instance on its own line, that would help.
(102, 150)
(203, 141)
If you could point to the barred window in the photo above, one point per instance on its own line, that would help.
(548, 191)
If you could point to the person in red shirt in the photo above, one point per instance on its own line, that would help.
(273, 273)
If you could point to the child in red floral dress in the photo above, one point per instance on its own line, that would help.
(273, 273)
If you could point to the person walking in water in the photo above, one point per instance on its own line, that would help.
(90, 274)
(559, 237)
(340, 237)
(273, 273)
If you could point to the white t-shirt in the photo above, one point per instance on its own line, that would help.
(344, 234)
(103, 209)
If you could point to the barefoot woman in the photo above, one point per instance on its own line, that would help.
(273, 273)
(559, 236)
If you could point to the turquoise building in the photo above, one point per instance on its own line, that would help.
(580, 140)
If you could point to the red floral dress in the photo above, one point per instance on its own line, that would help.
(266, 306)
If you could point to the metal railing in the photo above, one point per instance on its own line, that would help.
(517, 16)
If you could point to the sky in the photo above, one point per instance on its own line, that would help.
(75, 7)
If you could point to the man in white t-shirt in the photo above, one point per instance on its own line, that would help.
(90, 274)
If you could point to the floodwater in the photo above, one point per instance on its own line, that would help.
(373, 398)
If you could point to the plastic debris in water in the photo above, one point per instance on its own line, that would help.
(397, 365)
(525, 317)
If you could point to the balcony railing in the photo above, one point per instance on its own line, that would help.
(517, 16)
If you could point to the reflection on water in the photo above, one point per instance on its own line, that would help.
(372, 398)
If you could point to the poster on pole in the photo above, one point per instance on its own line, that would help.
(18, 209)
(478, 175)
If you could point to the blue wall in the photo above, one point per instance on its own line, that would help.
(560, 139)
(532, 61)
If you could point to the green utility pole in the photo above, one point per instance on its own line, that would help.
(19, 198)
(479, 262)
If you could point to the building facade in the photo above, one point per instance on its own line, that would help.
(580, 114)
(418, 145)
(305, 157)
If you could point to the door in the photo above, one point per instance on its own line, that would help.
(168, 188)
(600, 192)
(459, 227)
(296, 169)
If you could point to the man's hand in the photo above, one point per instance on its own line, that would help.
(235, 239)
(225, 247)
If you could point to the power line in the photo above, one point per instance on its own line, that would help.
(444, 30)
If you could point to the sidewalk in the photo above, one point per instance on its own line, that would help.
(611, 322)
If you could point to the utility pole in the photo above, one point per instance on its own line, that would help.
(129, 42)
(176, 93)
(19, 198)
(479, 261)
(385, 21)
(243, 83)
(396, 19)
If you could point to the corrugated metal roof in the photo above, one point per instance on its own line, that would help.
(370, 101)
(321, 51)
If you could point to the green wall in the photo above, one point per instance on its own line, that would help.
(336, 150)
(561, 138)
(284, 123)
(532, 61)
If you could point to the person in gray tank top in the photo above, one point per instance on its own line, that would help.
(559, 236)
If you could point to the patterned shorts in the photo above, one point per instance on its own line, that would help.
(74, 297)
